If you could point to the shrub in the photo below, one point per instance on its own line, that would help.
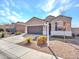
(1, 29)
(41, 40)
(18, 33)
(1, 35)
(28, 39)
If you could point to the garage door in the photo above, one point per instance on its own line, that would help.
(35, 29)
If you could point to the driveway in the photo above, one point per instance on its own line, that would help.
(3, 56)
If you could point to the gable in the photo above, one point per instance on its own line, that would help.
(49, 18)
(35, 21)
(63, 18)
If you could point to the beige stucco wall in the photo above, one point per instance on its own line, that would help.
(20, 27)
(53, 25)
(61, 21)
(75, 31)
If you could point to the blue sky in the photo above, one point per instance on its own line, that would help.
(23, 10)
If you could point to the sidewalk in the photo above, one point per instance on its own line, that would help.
(14, 51)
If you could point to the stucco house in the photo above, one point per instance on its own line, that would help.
(20, 27)
(58, 26)
(75, 31)
(10, 28)
(14, 27)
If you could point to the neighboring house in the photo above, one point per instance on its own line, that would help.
(12, 28)
(20, 27)
(75, 31)
(9, 28)
(58, 26)
(2, 26)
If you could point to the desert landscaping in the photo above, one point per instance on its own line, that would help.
(67, 49)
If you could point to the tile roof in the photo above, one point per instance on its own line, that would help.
(35, 20)
(48, 18)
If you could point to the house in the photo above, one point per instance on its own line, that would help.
(58, 26)
(75, 31)
(20, 27)
(10, 28)
(14, 27)
(7, 26)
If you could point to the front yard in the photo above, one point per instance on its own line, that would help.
(59, 48)
(66, 49)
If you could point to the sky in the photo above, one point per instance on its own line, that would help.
(22, 10)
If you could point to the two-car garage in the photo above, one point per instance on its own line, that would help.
(35, 29)
(35, 26)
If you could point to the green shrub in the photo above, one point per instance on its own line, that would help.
(28, 39)
(1, 35)
(18, 33)
(1, 29)
(41, 40)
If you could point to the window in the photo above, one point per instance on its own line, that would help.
(56, 26)
(59, 26)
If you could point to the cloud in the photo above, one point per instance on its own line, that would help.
(55, 13)
(64, 1)
(2, 13)
(65, 6)
(16, 14)
(12, 2)
(48, 5)
(7, 11)
(21, 4)
(3, 20)
(7, 3)
(23, 20)
(12, 18)
(77, 5)
(75, 24)
(10, 15)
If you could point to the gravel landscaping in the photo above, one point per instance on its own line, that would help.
(58, 47)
